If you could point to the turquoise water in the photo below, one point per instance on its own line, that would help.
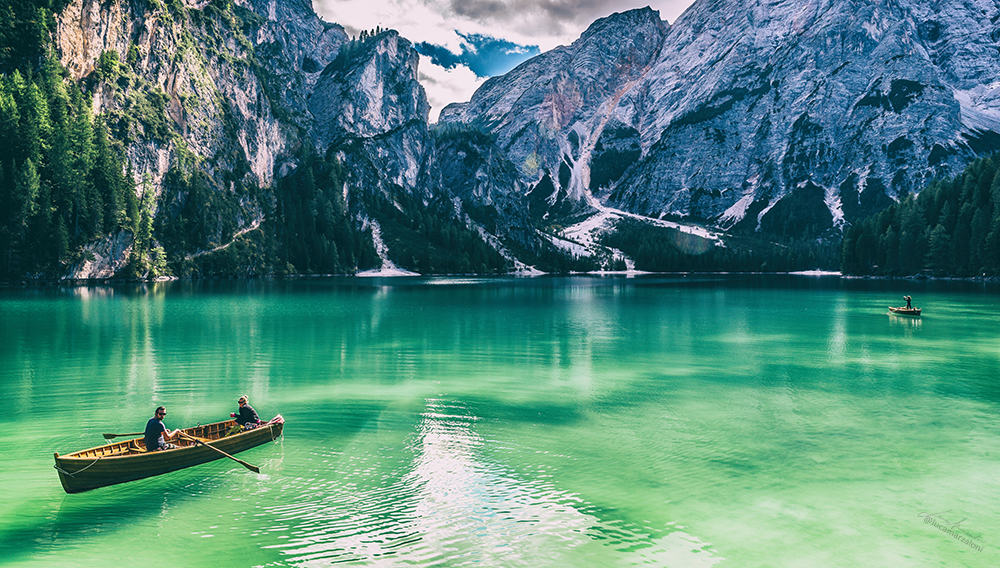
(743, 422)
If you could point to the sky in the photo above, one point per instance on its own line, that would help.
(464, 42)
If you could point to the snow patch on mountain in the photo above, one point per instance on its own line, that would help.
(388, 267)
(736, 212)
(583, 238)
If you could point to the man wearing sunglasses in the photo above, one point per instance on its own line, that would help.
(155, 430)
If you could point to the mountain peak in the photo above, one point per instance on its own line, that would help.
(619, 23)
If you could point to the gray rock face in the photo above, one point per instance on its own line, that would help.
(745, 112)
(222, 85)
(104, 258)
(468, 166)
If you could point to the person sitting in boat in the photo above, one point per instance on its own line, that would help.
(908, 305)
(155, 430)
(247, 417)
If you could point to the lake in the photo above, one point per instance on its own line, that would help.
(752, 421)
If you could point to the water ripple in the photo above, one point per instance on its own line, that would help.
(451, 505)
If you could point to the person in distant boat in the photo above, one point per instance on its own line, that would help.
(908, 305)
(155, 430)
(247, 416)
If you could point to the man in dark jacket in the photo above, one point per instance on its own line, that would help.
(155, 430)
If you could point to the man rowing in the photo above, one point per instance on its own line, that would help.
(155, 430)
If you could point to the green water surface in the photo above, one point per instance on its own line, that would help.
(655, 421)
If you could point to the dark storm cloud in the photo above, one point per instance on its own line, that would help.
(486, 56)
(554, 15)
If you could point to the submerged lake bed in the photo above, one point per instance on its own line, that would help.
(581, 421)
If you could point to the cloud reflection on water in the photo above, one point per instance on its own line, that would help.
(454, 506)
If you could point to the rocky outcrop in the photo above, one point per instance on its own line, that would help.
(103, 259)
(85, 30)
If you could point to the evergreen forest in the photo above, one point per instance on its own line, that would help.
(951, 228)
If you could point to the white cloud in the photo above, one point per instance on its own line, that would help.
(416, 20)
(444, 86)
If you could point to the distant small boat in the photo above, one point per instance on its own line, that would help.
(127, 461)
(905, 311)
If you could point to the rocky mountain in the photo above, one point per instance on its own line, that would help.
(253, 126)
(237, 96)
(787, 118)
(368, 103)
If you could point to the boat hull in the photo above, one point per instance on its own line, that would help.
(125, 461)
(905, 311)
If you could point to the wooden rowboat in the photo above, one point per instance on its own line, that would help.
(127, 461)
(905, 311)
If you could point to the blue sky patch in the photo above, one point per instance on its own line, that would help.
(486, 56)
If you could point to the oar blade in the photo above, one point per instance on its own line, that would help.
(113, 436)
(251, 467)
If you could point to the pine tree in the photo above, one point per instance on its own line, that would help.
(27, 186)
(106, 178)
(10, 118)
(35, 132)
(939, 243)
(24, 198)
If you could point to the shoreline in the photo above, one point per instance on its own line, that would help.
(83, 282)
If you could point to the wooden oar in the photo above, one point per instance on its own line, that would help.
(111, 436)
(249, 466)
